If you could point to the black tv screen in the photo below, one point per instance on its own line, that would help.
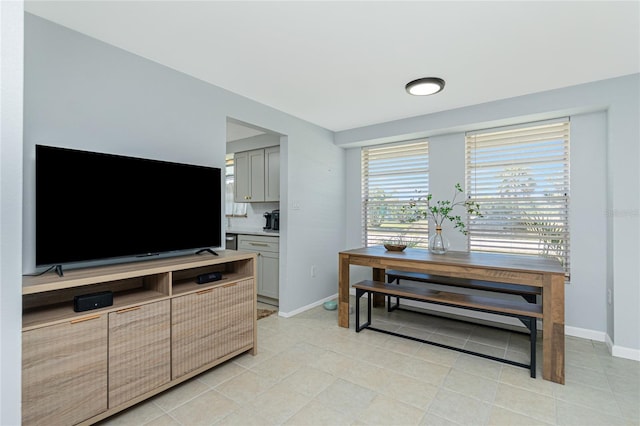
(92, 206)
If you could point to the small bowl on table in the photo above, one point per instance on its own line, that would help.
(395, 247)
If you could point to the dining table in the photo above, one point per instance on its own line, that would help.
(543, 272)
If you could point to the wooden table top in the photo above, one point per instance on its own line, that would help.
(512, 262)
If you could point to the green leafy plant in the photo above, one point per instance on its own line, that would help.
(423, 207)
(401, 239)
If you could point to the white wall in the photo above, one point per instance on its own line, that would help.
(11, 85)
(82, 93)
(313, 219)
(604, 210)
(623, 207)
(254, 142)
(255, 216)
(588, 224)
(446, 168)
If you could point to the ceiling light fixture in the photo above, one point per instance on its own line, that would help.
(425, 86)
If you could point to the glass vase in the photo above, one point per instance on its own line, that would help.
(438, 243)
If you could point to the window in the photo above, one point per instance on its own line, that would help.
(232, 208)
(392, 175)
(520, 178)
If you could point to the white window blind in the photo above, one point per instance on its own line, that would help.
(392, 175)
(520, 178)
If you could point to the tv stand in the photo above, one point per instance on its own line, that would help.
(59, 271)
(162, 329)
(206, 250)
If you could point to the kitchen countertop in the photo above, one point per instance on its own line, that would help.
(252, 231)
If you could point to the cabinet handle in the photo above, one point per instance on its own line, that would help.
(209, 290)
(260, 244)
(92, 317)
(133, 308)
(230, 285)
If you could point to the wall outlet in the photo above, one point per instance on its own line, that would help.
(314, 270)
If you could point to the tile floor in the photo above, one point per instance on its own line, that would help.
(309, 371)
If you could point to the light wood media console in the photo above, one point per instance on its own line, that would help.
(163, 328)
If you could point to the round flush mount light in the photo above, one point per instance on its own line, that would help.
(425, 86)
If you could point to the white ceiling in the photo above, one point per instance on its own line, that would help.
(344, 64)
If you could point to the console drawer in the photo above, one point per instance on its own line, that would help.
(258, 243)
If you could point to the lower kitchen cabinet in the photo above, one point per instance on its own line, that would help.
(268, 268)
(64, 371)
(139, 350)
(269, 274)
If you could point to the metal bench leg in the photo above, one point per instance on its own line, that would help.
(534, 335)
(532, 325)
(391, 308)
(369, 307)
(359, 294)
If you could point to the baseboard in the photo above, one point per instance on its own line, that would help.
(268, 301)
(609, 343)
(584, 333)
(621, 351)
(307, 307)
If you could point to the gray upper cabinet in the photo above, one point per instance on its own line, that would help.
(272, 173)
(257, 175)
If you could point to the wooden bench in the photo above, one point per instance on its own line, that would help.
(526, 312)
(529, 293)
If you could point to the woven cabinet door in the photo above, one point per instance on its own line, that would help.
(235, 312)
(192, 331)
(139, 351)
(64, 372)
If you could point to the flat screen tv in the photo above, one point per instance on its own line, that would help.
(92, 206)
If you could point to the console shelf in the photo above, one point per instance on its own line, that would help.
(152, 306)
(191, 286)
(63, 311)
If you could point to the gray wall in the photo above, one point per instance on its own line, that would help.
(82, 93)
(11, 85)
(604, 215)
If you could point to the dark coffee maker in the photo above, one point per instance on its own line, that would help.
(275, 220)
(269, 217)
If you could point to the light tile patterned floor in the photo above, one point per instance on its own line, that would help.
(309, 371)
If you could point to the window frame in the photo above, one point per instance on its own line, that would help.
(538, 178)
(401, 171)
